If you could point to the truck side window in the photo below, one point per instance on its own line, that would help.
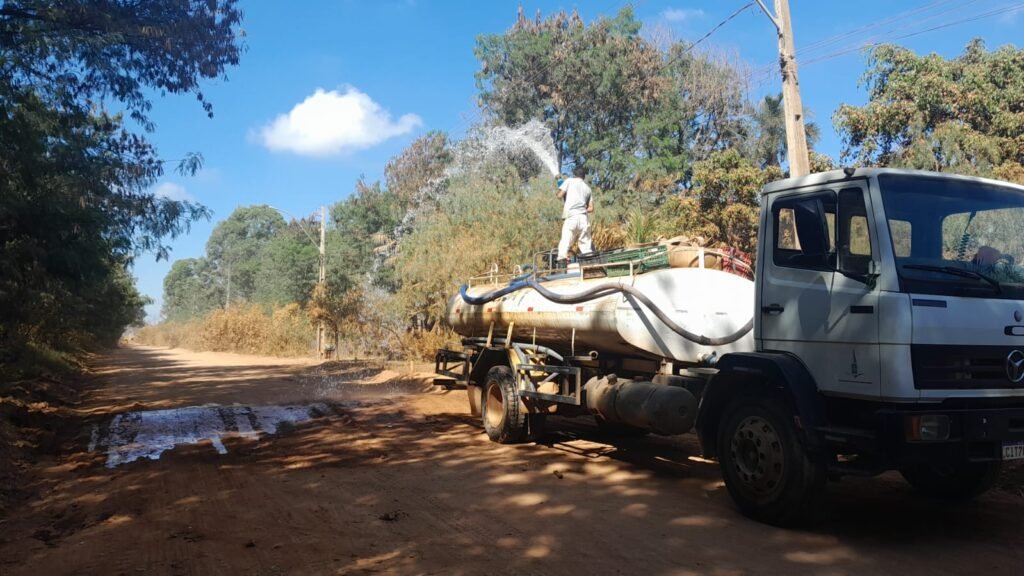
(901, 233)
(805, 232)
(854, 238)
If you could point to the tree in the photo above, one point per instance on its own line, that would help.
(961, 115)
(636, 116)
(589, 84)
(191, 290)
(75, 52)
(488, 217)
(723, 204)
(235, 246)
(288, 267)
(422, 163)
(768, 146)
(75, 209)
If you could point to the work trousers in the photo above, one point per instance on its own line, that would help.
(575, 229)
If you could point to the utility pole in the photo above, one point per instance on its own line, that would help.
(323, 278)
(796, 137)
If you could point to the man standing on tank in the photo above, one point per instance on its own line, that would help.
(576, 209)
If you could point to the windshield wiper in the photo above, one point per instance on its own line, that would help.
(961, 272)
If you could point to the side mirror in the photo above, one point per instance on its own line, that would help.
(861, 271)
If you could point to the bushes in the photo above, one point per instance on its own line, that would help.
(286, 331)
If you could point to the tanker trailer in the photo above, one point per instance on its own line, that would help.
(622, 336)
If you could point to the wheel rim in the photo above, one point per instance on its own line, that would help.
(495, 407)
(757, 455)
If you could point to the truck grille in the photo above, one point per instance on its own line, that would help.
(961, 367)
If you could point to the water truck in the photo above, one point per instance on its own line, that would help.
(881, 328)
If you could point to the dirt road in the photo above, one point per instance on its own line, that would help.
(388, 478)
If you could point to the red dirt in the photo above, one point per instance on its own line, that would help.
(404, 481)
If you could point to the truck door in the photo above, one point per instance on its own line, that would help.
(818, 299)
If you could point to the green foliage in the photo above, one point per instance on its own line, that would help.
(420, 164)
(961, 115)
(723, 205)
(75, 210)
(287, 267)
(190, 290)
(235, 246)
(74, 52)
(488, 217)
(768, 144)
(637, 117)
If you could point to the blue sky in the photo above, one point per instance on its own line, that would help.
(329, 90)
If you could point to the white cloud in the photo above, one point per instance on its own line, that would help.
(682, 14)
(1011, 16)
(172, 191)
(332, 122)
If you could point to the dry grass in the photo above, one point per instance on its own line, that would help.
(287, 331)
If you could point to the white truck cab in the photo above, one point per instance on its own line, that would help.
(889, 326)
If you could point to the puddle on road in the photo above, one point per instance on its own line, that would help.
(148, 434)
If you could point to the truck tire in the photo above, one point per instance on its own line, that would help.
(507, 420)
(956, 481)
(768, 473)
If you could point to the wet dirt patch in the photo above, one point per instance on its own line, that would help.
(148, 434)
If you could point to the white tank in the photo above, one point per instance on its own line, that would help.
(712, 311)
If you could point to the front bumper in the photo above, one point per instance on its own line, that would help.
(975, 434)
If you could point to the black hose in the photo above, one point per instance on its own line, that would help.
(606, 289)
(600, 292)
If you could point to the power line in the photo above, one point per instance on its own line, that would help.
(717, 27)
(996, 12)
(765, 72)
(832, 40)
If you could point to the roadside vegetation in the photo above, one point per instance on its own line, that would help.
(76, 176)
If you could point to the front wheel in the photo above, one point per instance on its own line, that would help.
(768, 473)
(952, 481)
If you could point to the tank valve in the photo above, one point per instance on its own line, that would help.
(709, 359)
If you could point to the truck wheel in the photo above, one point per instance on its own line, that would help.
(952, 481)
(506, 418)
(475, 394)
(768, 473)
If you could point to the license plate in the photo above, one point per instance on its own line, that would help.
(1013, 451)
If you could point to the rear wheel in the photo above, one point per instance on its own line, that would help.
(953, 481)
(768, 473)
(506, 418)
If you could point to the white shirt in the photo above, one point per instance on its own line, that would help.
(577, 197)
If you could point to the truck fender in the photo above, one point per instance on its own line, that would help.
(756, 373)
(488, 358)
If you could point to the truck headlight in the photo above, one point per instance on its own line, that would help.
(927, 428)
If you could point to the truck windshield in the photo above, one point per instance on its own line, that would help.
(955, 237)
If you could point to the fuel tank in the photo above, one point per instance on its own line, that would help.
(682, 314)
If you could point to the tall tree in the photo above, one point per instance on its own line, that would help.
(421, 164)
(288, 266)
(235, 246)
(190, 290)
(768, 144)
(961, 115)
(589, 84)
(75, 209)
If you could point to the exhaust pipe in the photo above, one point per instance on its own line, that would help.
(666, 410)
